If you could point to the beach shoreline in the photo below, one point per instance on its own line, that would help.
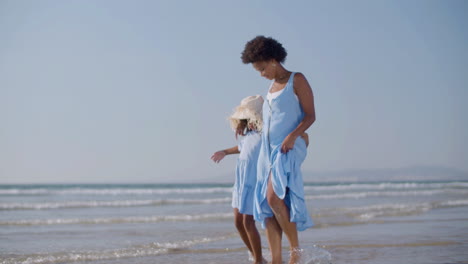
(358, 222)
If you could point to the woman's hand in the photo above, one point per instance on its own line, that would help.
(218, 156)
(305, 136)
(288, 143)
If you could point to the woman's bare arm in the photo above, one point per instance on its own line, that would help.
(306, 99)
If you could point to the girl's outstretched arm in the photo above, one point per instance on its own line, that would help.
(219, 155)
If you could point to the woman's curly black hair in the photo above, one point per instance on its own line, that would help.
(262, 48)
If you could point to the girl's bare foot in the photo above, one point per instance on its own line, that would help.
(295, 255)
(263, 261)
(251, 258)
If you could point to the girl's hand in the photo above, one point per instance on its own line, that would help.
(288, 144)
(218, 156)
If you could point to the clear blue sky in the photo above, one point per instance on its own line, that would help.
(139, 91)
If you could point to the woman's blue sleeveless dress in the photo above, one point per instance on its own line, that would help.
(281, 117)
(246, 172)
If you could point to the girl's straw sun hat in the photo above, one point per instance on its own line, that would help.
(250, 109)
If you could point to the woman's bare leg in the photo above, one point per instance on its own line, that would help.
(254, 238)
(239, 223)
(281, 212)
(274, 235)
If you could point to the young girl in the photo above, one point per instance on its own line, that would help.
(247, 123)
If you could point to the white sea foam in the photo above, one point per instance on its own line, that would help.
(386, 186)
(151, 249)
(208, 190)
(390, 210)
(120, 220)
(17, 191)
(455, 203)
(84, 256)
(362, 212)
(114, 191)
(358, 195)
(123, 203)
(373, 211)
(188, 243)
(160, 202)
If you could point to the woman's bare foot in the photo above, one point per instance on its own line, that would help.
(295, 255)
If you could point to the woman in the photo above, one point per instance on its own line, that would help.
(287, 113)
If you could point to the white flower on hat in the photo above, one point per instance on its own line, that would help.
(249, 109)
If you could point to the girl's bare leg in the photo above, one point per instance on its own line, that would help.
(254, 238)
(281, 212)
(239, 223)
(274, 235)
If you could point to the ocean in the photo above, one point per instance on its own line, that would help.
(355, 222)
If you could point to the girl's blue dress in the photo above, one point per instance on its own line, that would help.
(246, 172)
(281, 117)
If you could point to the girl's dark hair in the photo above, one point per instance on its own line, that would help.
(242, 128)
(262, 48)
